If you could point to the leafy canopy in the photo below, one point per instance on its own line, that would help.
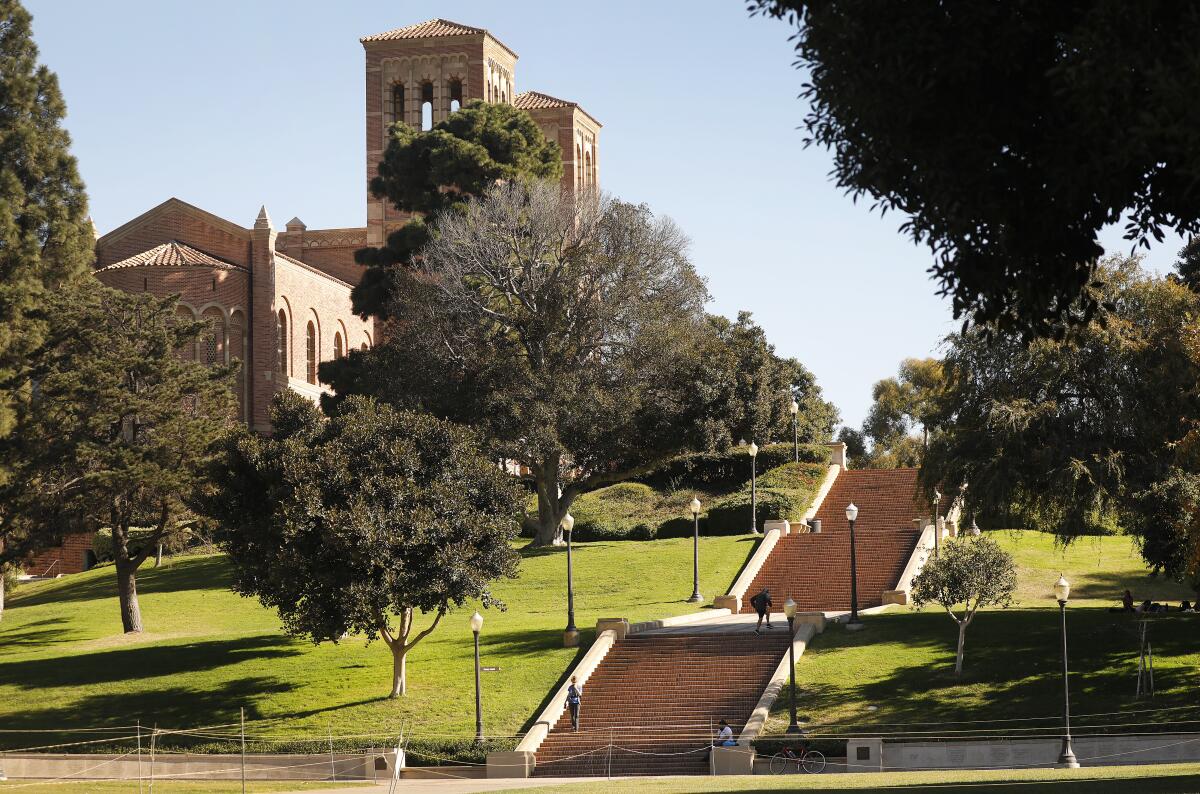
(432, 171)
(1009, 134)
(346, 524)
(45, 235)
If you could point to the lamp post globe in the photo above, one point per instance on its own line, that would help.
(794, 410)
(753, 450)
(1066, 758)
(476, 626)
(571, 634)
(789, 611)
(853, 624)
(694, 506)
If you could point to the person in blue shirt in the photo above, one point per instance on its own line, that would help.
(574, 697)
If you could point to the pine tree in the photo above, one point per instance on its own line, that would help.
(45, 235)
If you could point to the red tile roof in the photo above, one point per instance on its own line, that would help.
(430, 29)
(535, 100)
(173, 254)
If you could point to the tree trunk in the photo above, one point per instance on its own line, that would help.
(962, 639)
(551, 508)
(2, 583)
(399, 679)
(131, 613)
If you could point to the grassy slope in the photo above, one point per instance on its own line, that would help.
(207, 651)
(903, 662)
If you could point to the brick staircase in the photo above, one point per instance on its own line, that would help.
(655, 696)
(815, 569)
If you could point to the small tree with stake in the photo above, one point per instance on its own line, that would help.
(968, 574)
(354, 524)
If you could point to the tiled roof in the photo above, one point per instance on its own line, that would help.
(173, 254)
(430, 29)
(536, 100)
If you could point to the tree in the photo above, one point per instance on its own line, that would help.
(968, 573)
(45, 236)
(1188, 264)
(355, 523)
(558, 325)
(438, 170)
(902, 405)
(117, 431)
(1079, 434)
(968, 118)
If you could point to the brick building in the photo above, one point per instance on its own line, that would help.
(279, 301)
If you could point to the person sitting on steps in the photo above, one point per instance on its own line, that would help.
(762, 605)
(724, 736)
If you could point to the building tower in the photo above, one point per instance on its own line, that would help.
(422, 73)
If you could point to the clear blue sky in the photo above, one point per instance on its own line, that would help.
(230, 105)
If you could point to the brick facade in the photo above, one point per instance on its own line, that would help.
(73, 556)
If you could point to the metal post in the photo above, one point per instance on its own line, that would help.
(794, 725)
(753, 495)
(570, 590)
(1067, 757)
(854, 621)
(243, 734)
(695, 598)
(937, 534)
(153, 737)
(478, 698)
(139, 752)
(796, 437)
(332, 766)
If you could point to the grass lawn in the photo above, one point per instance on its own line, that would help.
(1100, 780)
(207, 651)
(899, 670)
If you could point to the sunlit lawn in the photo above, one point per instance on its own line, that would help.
(207, 651)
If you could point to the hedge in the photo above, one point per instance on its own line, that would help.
(720, 472)
(102, 542)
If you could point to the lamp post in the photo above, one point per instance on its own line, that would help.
(794, 408)
(476, 626)
(571, 635)
(753, 450)
(937, 535)
(695, 598)
(854, 623)
(1066, 758)
(789, 610)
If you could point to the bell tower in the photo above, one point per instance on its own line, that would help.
(419, 75)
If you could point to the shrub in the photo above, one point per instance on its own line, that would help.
(784, 492)
(102, 542)
(717, 472)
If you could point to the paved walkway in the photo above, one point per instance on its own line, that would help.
(452, 786)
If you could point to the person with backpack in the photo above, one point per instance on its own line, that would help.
(762, 605)
(574, 697)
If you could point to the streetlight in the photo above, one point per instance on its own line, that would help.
(753, 450)
(795, 410)
(789, 609)
(571, 635)
(1066, 758)
(476, 626)
(854, 623)
(695, 598)
(937, 535)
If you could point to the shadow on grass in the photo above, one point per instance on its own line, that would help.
(146, 661)
(1012, 668)
(185, 573)
(38, 632)
(1164, 784)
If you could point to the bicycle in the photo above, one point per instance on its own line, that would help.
(810, 761)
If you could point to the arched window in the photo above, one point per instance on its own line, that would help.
(587, 168)
(237, 352)
(456, 94)
(281, 343)
(366, 345)
(212, 343)
(311, 342)
(396, 109)
(337, 344)
(187, 351)
(426, 106)
(578, 165)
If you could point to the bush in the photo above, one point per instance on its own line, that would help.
(784, 492)
(717, 472)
